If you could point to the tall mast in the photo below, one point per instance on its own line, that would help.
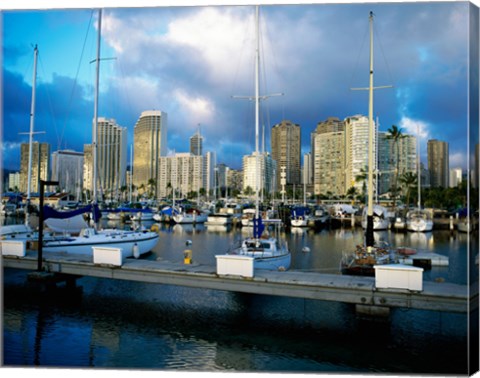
(95, 109)
(419, 178)
(257, 108)
(30, 139)
(369, 231)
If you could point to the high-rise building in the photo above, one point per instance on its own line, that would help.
(259, 171)
(13, 181)
(234, 180)
(286, 150)
(395, 158)
(182, 172)
(40, 165)
(356, 151)
(438, 164)
(329, 163)
(209, 176)
(111, 156)
(455, 177)
(307, 171)
(67, 169)
(150, 143)
(196, 144)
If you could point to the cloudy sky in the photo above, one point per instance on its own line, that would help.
(189, 61)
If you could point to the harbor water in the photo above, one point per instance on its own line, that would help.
(121, 324)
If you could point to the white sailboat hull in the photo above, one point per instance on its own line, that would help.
(190, 218)
(128, 241)
(419, 225)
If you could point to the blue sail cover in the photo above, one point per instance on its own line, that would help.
(50, 212)
(258, 227)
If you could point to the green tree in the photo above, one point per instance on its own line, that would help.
(395, 134)
(409, 181)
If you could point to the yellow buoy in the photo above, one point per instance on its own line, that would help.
(187, 256)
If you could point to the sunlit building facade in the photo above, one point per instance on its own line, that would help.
(40, 165)
(149, 144)
(286, 150)
(182, 173)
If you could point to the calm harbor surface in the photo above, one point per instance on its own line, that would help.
(119, 324)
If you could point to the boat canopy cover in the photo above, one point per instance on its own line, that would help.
(258, 227)
(50, 212)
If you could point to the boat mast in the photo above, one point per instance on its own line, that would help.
(95, 109)
(369, 231)
(257, 109)
(419, 178)
(30, 139)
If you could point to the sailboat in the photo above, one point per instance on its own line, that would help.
(419, 220)
(364, 258)
(132, 243)
(268, 252)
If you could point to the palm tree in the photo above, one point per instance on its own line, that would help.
(351, 193)
(395, 134)
(362, 177)
(409, 180)
(152, 184)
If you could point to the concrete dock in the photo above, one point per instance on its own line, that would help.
(356, 290)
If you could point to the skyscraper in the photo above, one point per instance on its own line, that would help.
(111, 155)
(182, 172)
(329, 163)
(40, 165)
(259, 174)
(150, 143)
(400, 156)
(438, 164)
(286, 150)
(196, 144)
(356, 151)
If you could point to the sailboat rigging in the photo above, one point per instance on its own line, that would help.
(133, 243)
(364, 258)
(268, 252)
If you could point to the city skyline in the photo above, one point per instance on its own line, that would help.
(172, 59)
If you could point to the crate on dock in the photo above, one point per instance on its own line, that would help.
(108, 256)
(14, 248)
(235, 265)
(398, 276)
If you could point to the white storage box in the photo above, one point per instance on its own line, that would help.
(14, 248)
(234, 264)
(110, 256)
(398, 276)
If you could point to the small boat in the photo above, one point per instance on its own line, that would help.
(364, 259)
(192, 216)
(219, 219)
(269, 252)
(300, 217)
(419, 220)
(139, 215)
(399, 223)
(406, 251)
(380, 218)
(247, 217)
